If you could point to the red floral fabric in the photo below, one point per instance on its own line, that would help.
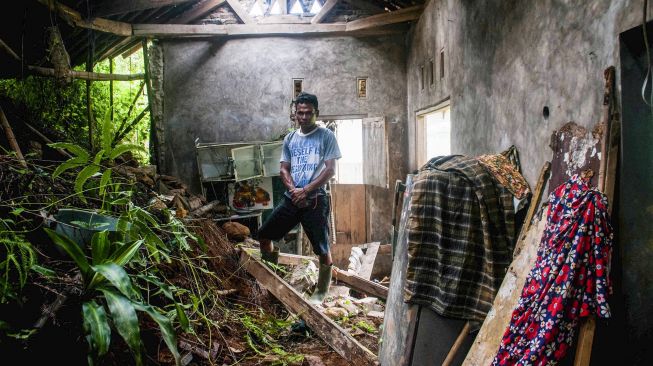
(570, 279)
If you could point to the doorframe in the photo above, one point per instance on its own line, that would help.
(420, 144)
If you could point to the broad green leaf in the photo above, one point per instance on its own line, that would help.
(121, 149)
(72, 249)
(183, 319)
(17, 211)
(118, 278)
(43, 271)
(125, 253)
(82, 177)
(98, 157)
(106, 178)
(96, 327)
(167, 332)
(76, 150)
(125, 320)
(100, 247)
(69, 164)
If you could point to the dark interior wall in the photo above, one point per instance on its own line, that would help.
(506, 60)
(240, 90)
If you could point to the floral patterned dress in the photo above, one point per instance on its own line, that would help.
(570, 279)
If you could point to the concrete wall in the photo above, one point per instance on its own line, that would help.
(240, 90)
(505, 61)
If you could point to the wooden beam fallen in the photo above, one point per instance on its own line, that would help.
(360, 284)
(336, 337)
(326, 8)
(75, 18)
(397, 16)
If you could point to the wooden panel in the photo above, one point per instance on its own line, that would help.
(375, 152)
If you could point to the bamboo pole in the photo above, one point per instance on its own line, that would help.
(11, 138)
(456, 345)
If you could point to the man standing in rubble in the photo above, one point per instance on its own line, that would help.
(308, 161)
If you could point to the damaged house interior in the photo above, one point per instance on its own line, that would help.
(326, 182)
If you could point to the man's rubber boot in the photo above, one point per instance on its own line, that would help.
(271, 257)
(323, 283)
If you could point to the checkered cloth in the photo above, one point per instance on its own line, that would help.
(460, 238)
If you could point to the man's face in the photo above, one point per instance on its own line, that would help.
(305, 115)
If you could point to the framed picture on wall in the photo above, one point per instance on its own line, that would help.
(361, 87)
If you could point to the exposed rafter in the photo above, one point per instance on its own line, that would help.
(328, 6)
(113, 7)
(197, 12)
(240, 11)
(397, 16)
(75, 18)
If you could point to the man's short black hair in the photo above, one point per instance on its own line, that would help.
(306, 98)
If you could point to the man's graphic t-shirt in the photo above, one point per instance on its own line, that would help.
(307, 153)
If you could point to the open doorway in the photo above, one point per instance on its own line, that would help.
(433, 133)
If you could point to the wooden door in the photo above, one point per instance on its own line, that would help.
(349, 208)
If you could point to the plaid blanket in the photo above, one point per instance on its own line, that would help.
(460, 238)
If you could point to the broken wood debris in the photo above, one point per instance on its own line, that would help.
(325, 328)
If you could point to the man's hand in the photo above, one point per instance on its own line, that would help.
(298, 195)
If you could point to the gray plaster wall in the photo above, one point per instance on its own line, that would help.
(505, 61)
(240, 90)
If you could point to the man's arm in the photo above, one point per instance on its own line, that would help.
(299, 194)
(286, 177)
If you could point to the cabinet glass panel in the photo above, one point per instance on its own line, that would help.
(271, 153)
(247, 162)
(215, 161)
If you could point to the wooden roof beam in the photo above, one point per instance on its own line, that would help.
(235, 30)
(240, 12)
(326, 8)
(398, 16)
(113, 7)
(197, 12)
(75, 18)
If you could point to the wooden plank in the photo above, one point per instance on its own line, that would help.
(74, 17)
(294, 259)
(87, 75)
(368, 260)
(489, 336)
(536, 198)
(8, 49)
(401, 318)
(240, 11)
(197, 12)
(326, 8)
(360, 284)
(325, 328)
(162, 30)
(398, 16)
(607, 173)
(106, 8)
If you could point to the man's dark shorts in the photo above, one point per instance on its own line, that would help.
(314, 219)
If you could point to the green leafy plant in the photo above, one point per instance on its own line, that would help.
(82, 159)
(17, 258)
(108, 286)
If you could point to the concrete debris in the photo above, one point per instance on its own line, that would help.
(355, 259)
(335, 313)
(304, 276)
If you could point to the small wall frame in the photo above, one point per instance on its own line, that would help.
(361, 87)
